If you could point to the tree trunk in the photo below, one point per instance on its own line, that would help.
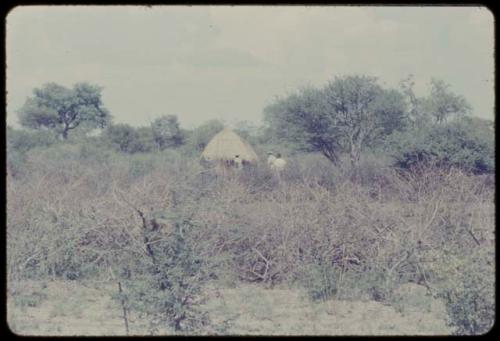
(124, 307)
(65, 133)
(354, 151)
(355, 156)
(332, 157)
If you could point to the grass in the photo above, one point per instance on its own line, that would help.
(250, 310)
(33, 299)
(412, 297)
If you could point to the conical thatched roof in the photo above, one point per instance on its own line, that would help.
(225, 145)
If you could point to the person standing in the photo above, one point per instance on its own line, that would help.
(270, 159)
(279, 164)
(237, 162)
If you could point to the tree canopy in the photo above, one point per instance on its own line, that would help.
(435, 108)
(442, 103)
(201, 135)
(123, 138)
(346, 115)
(61, 109)
(166, 132)
(467, 143)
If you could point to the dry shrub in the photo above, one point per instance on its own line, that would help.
(411, 232)
(316, 227)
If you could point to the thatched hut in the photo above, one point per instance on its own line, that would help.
(224, 147)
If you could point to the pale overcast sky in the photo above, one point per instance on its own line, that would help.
(205, 62)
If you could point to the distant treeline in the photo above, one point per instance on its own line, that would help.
(349, 116)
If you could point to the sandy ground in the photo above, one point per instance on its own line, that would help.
(71, 308)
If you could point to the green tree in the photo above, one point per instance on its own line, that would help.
(301, 118)
(346, 115)
(61, 109)
(170, 286)
(442, 103)
(416, 115)
(19, 142)
(467, 143)
(246, 129)
(166, 132)
(165, 279)
(23, 140)
(145, 140)
(437, 107)
(122, 137)
(200, 136)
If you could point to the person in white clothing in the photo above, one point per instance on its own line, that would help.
(270, 159)
(237, 162)
(279, 164)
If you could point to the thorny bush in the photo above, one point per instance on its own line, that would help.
(322, 229)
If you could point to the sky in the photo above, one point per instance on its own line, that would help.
(229, 62)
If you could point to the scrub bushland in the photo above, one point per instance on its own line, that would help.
(163, 227)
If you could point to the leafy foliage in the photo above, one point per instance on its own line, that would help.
(345, 116)
(23, 140)
(467, 144)
(198, 138)
(440, 105)
(166, 132)
(167, 285)
(61, 109)
(469, 292)
(145, 141)
(300, 117)
(443, 104)
(19, 142)
(320, 281)
(127, 139)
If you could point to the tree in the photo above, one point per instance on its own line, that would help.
(467, 143)
(19, 142)
(23, 140)
(246, 129)
(166, 132)
(201, 135)
(127, 139)
(442, 103)
(344, 116)
(363, 111)
(145, 141)
(169, 287)
(416, 115)
(302, 117)
(437, 107)
(122, 137)
(61, 109)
